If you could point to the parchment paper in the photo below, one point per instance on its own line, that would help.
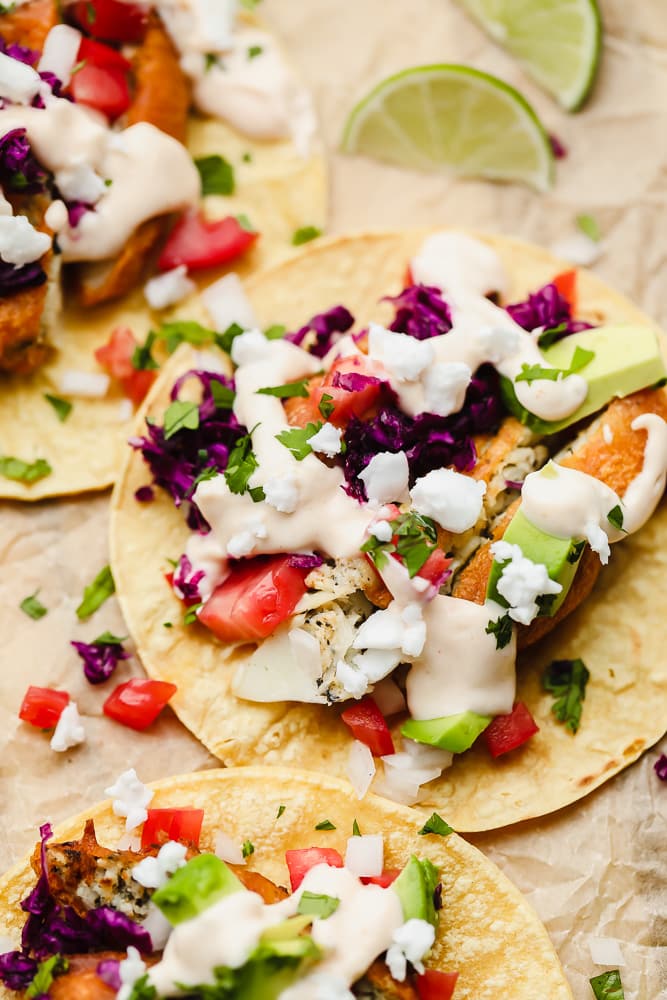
(599, 868)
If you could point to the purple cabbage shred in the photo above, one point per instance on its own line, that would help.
(660, 767)
(28, 56)
(17, 970)
(17, 279)
(186, 583)
(76, 210)
(100, 659)
(19, 170)
(177, 462)
(549, 309)
(327, 327)
(305, 560)
(512, 484)
(421, 312)
(145, 494)
(109, 972)
(354, 381)
(559, 150)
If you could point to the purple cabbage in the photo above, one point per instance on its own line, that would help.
(17, 970)
(305, 560)
(17, 279)
(325, 326)
(429, 441)
(549, 309)
(109, 972)
(354, 381)
(558, 149)
(178, 462)
(660, 767)
(421, 312)
(100, 658)
(76, 210)
(28, 56)
(186, 583)
(145, 494)
(19, 170)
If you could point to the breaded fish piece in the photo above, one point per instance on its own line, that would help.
(103, 281)
(30, 23)
(378, 984)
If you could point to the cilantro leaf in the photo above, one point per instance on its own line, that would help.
(245, 223)
(550, 336)
(356, 832)
(62, 407)
(32, 607)
(326, 824)
(531, 373)
(142, 358)
(608, 986)
(576, 549)
(226, 339)
(217, 175)
(190, 617)
(615, 517)
(46, 973)
(436, 824)
(502, 629)
(254, 51)
(317, 904)
(109, 639)
(96, 593)
(589, 227)
(326, 407)
(24, 472)
(580, 359)
(186, 331)
(287, 391)
(223, 395)
(142, 989)
(304, 235)
(567, 679)
(281, 810)
(180, 415)
(296, 439)
(241, 465)
(247, 849)
(275, 332)
(416, 539)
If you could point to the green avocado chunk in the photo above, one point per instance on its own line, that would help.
(455, 733)
(560, 556)
(415, 887)
(271, 969)
(203, 881)
(627, 358)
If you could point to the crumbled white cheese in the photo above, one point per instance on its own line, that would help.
(69, 731)
(226, 302)
(364, 856)
(351, 679)
(60, 54)
(381, 530)
(248, 347)
(56, 216)
(20, 242)
(410, 942)
(168, 288)
(445, 387)
(598, 540)
(327, 440)
(243, 543)
(80, 183)
(404, 357)
(522, 581)
(378, 663)
(282, 493)
(130, 970)
(450, 498)
(386, 477)
(130, 798)
(19, 83)
(498, 342)
(395, 628)
(153, 872)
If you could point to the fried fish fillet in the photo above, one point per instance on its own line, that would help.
(30, 23)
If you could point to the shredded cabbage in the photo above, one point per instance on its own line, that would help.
(548, 309)
(327, 327)
(421, 312)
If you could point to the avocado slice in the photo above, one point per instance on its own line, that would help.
(627, 358)
(415, 887)
(455, 733)
(273, 967)
(560, 556)
(203, 881)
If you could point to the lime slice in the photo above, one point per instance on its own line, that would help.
(448, 116)
(556, 41)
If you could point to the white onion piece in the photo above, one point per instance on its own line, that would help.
(169, 288)
(125, 411)
(399, 786)
(89, 385)
(360, 768)
(210, 362)
(157, 926)
(226, 302)
(404, 763)
(227, 849)
(61, 51)
(606, 951)
(365, 855)
(388, 697)
(424, 755)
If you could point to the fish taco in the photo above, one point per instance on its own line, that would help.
(265, 883)
(143, 149)
(385, 512)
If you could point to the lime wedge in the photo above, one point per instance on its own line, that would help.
(556, 41)
(448, 116)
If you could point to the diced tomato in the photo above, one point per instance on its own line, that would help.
(507, 732)
(116, 358)
(183, 825)
(255, 598)
(435, 566)
(138, 702)
(104, 88)
(384, 880)
(434, 985)
(199, 244)
(300, 862)
(566, 283)
(409, 280)
(347, 404)
(369, 726)
(99, 54)
(42, 707)
(111, 20)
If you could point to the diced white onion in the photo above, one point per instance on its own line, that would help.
(606, 951)
(89, 385)
(364, 855)
(404, 763)
(360, 768)
(388, 697)
(399, 786)
(425, 756)
(125, 411)
(227, 849)
(169, 288)
(157, 926)
(226, 302)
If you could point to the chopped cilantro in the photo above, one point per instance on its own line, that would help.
(296, 439)
(190, 616)
(281, 810)
(304, 235)
(326, 824)
(545, 603)
(217, 174)
(62, 407)
(77, 67)
(567, 679)
(550, 336)
(608, 986)
(32, 607)
(46, 973)
(254, 51)
(247, 158)
(241, 465)
(96, 593)
(531, 373)
(109, 639)
(223, 395)
(615, 517)
(245, 223)
(356, 832)
(275, 332)
(211, 58)
(142, 358)
(436, 824)
(326, 407)
(167, 625)
(226, 339)
(24, 472)
(416, 540)
(142, 990)
(502, 629)
(317, 905)
(7, 8)
(580, 359)
(288, 391)
(589, 227)
(180, 415)
(91, 13)
(576, 549)
(186, 331)
(247, 849)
